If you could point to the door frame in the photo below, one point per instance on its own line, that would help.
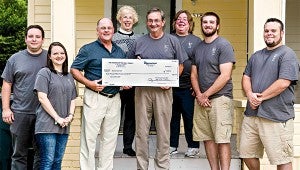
(114, 9)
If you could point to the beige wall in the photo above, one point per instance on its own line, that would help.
(39, 12)
(292, 25)
(292, 31)
(87, 15)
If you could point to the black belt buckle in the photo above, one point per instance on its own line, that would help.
(107, 95)
(103, 94)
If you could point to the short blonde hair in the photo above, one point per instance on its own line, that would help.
(130, 10)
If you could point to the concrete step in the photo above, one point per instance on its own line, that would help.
(182, 148)
(177, 162)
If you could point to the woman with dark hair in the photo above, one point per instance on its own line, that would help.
(56, 92)
(183, 100)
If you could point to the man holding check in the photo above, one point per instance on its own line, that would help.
(155, 101)
(102, 104)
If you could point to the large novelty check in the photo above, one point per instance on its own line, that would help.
(136, 72)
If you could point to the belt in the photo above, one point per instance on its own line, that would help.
(103, 94)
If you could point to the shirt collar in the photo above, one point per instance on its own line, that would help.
(129, 33)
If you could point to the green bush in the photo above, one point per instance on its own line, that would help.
(13, 17)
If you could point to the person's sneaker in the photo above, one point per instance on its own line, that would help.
(173, 150)
(192, 152)
(129, 152)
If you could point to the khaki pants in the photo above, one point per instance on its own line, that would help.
(276, 138)
(100, 114)
(153, 101)
(213, 123)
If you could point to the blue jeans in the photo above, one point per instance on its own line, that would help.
(52, 148)
(183, 103)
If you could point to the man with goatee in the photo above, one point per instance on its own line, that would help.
(211, 81)
(269, 81)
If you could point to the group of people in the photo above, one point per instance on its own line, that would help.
(44, 95)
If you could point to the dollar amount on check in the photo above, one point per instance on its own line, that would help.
(144, 72)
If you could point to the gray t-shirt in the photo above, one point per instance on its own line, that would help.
(189, 43)
(208, 58)
(167, 47)
(20, 70)
(264, 68)
(60, 91)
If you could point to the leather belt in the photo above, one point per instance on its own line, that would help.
(103, 94)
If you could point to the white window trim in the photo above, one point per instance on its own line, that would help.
(107, 8)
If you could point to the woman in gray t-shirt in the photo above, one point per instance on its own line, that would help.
(56, 92)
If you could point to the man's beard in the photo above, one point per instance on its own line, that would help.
(209, 34)
(274, 43)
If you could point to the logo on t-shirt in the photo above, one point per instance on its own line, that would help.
(190, 45)
(274, 57)
(166, 47)
(213, 51)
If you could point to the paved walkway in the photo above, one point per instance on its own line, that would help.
(178, 161)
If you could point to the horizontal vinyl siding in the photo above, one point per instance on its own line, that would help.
(233, 26)
(293, 40)
(87, 15)
(292, 32)
(293, 25)
(297, 133)
(42, 16)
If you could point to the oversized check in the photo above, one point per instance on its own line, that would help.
(140, 72)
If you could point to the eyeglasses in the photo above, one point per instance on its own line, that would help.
(182, 19)
(106, 28)
(153, 21)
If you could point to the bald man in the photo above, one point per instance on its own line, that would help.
(102, 104)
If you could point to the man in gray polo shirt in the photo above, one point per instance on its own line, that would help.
(155, 101)
(268, 82)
